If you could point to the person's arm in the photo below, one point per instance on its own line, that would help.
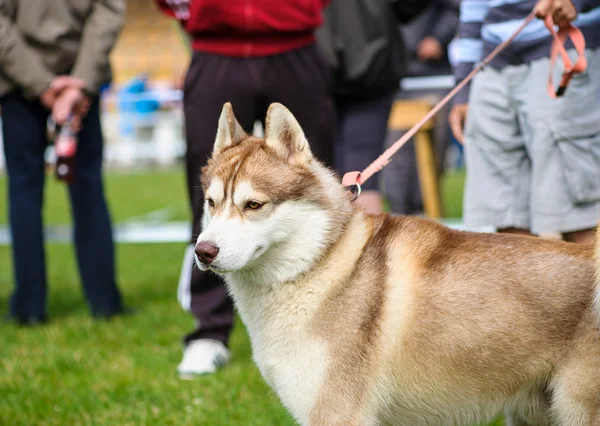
(100, 32)
(19, 63)
(470, 43)
(470, 51)
(446, 24)
(433, 45)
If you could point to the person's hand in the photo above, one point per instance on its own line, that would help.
(562, 11)
(429, 49)
(71, 103)
(457, 117)
(57, 86)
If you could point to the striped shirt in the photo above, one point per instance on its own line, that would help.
(484, 24)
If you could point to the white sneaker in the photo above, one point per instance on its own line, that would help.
(202, 356)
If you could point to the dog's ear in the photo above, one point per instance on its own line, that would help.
(230, 132)
(285, 136)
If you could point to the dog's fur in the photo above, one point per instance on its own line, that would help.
(368, 320)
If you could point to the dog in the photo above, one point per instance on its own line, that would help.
(371, 320)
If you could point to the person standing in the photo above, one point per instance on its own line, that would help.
(53, 59)
(250, 53)
(427, 38)
(365, 49)
(533, 162)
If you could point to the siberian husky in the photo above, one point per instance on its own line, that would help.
(369, 320)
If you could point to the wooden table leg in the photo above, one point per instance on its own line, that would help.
(428, 175)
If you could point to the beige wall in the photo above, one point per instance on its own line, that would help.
(149, 43)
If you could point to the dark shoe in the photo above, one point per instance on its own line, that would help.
(122, 311)
(26, 320)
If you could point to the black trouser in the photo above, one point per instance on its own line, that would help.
(361, 133)
(299, 80)
(24, 131)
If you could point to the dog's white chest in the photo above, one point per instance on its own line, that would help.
(296, 370)
(292, 361)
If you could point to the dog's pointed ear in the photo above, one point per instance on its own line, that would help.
(230, 132)
(285, 136)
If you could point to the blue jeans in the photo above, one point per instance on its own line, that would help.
(24, 131)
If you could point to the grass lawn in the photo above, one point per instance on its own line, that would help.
(77, 371)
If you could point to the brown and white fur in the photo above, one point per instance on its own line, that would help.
(369, 320)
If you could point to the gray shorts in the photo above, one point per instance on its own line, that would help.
(533, 162)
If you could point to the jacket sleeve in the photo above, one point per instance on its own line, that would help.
(99, 35)
(406, 10)
(20, 64)
(446, 24)
(470, 43)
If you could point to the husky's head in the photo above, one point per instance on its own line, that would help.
(270, 208)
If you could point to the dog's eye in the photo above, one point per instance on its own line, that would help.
(253, 205)
(210, 202)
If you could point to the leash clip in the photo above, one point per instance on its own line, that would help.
(354, 190)
(351, 182)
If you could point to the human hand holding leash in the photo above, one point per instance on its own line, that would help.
(562, 11)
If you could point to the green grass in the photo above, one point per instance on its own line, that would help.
(452, 194)
(129, 195)
(77, 371)
(80, 371)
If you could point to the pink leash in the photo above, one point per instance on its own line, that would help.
(356, 179)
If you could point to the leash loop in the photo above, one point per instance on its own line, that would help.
(558, 47)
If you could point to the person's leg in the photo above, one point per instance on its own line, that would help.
(498, 167)
(24, 133)
(565, 150)
(93, 234)
(441, 132)
(301, 81)
(211, 82)
(362, 133)
(401, 179)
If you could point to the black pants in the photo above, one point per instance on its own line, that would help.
(300, 80)
(24, 131)
(362, 127)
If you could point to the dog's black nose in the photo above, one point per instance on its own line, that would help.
(206, 252)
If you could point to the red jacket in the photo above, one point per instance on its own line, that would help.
(247, 28)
